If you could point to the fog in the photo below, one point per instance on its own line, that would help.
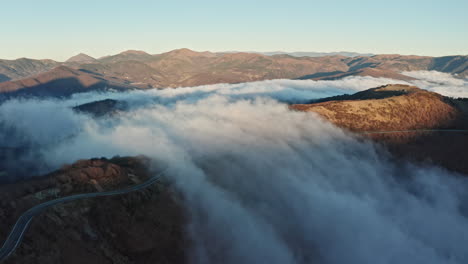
(440, 82)
(261, 183)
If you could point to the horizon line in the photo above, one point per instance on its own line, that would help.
(367, 54)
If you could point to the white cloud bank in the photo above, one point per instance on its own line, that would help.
(440, 82)
(264, 184)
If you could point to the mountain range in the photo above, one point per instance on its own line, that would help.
(184, 67)
(60, 81)
(315, 54)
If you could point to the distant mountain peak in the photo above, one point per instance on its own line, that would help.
(189, 53)
(134, 52)
(183, 51)
(81, 58)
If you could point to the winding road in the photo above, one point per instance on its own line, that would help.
(24, 220)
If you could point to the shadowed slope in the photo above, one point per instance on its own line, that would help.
(4, 78)
(61, 81)
(376, 73)
(101, 108)
(398, 63)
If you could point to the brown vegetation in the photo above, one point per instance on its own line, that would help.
(415, 109)
(185, 67)
(400, 107)
(141, 227)
(61, 81)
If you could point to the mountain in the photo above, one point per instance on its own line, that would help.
(190, 68)
(402, 107)
(81, 58)
(390, 107)
(452, 64)
(146, 226)
(398, 63)
(316, 54)
(61, 81)
(23, 68)
(128, 55)
(184, 67)
(372, 72)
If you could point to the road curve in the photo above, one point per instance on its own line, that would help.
(22, 224)
(24, 220)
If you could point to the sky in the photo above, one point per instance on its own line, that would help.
(59, 29)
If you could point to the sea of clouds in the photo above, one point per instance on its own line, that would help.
(261, 183)
(440, 82)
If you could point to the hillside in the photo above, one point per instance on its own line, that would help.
(398, 63)
(189, 68)
(22, 68)
(128, 55)
(371, 72)
(61, 81)
(401, 107)
(120, 229)
(184, 67)
(391, 107)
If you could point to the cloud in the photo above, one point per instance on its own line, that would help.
(440, 82)
(263, 184)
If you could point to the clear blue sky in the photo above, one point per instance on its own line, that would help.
(58, 29)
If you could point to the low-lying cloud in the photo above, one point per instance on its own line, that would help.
(440, 82)
(261, 183)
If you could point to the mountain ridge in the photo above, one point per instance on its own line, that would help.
(80, 58)
(403, 108)
(185, 67)
(60, 81)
